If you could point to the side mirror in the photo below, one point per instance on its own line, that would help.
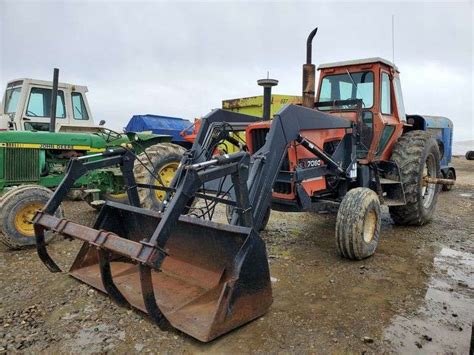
(102, 122)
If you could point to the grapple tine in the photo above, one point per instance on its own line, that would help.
(149, 298)
(107, 280)
(42, 251)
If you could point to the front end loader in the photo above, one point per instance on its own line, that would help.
(186, 268)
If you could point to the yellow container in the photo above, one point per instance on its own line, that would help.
(254, 106)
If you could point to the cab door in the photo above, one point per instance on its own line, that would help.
(387, 116)
(37, 112)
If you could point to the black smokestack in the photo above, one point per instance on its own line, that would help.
(54, 99)
(309, 73)
(267, 95)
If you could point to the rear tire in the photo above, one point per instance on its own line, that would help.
(417, 155)
(17, 208)
(358, 224)
(163, 160)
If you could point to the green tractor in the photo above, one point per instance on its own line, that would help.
(38, 137)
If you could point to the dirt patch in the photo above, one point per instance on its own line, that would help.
(401, 299)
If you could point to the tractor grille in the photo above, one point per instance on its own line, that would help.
(283, 187)
(21, 165)
(258, 137)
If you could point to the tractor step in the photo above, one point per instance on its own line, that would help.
(97, 203)
(392, 192)
(393, 202)
(91, 191)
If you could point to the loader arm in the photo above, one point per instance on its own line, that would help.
(288, 125)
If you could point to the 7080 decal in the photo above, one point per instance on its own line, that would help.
(309, 163)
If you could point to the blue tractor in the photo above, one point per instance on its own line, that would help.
(442, 130)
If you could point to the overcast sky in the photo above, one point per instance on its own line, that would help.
(183, 58)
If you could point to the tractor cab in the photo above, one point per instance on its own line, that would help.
(26, 106)
(374, 81)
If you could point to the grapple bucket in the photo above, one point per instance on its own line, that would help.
(214, 277)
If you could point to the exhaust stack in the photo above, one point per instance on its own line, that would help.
(309, 73)
(54, 99)
(267, 95)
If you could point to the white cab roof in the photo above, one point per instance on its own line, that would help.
(357, 62)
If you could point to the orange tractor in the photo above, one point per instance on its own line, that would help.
(352, 148)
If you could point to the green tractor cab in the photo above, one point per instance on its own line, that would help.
(37, 141)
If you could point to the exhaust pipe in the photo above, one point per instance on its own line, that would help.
(267, 95)
(54, 99)
(309, 73)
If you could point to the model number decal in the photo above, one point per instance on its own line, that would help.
(309, 163)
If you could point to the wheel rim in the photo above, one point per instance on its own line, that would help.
(166, 174)
(428, 190)
(24, 217)
(118, 196)
(369, 226)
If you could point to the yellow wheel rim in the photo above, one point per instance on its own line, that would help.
(24, 217)
(120, 195)
(166, 173)
(369, 226)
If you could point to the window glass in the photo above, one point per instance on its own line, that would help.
(385, 99)
(399, 98)
(345, 91)
(11, 99)
(348, 86)
(36, 126)
(325, 93)
(386, 134)
(78, 107)
(39, 103)
(366, 133)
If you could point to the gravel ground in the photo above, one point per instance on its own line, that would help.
(415, 294)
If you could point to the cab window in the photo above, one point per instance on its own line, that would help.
(11, 99)
(385, 97)
(348, 86)
(78, 107)
(399, 98)
(39, 103)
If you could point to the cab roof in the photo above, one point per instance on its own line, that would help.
(358, 62)
(28, 81)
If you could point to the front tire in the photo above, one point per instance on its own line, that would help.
(358, 224)
(417, 156)
(17, 209)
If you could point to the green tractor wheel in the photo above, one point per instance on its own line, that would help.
(163, 160)
(17, 209)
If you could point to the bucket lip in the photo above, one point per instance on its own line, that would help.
(183, 218)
